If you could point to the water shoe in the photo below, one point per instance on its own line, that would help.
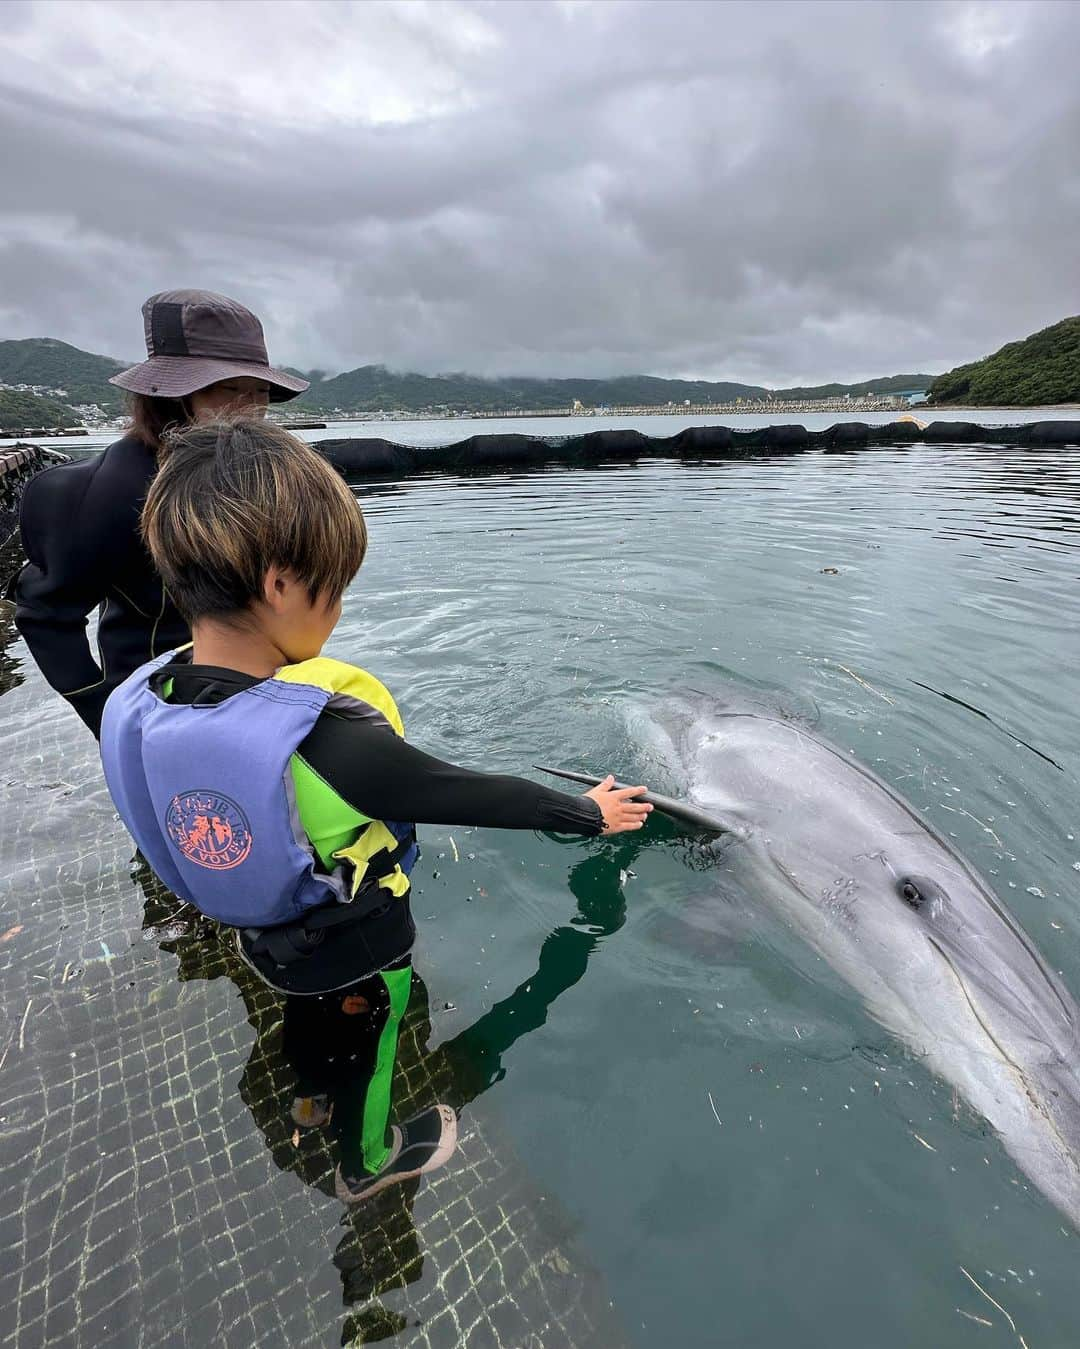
(420, 1145)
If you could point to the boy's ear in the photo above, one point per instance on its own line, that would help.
(276, 584)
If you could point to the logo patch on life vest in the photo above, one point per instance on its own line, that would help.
(209, 829)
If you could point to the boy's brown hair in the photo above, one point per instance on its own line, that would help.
(233, 498)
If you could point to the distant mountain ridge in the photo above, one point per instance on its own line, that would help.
(372, 388)
(52, 364)
(1042, 369)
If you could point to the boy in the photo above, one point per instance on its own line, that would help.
(273, 788)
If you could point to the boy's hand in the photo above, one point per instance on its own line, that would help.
(620, 811)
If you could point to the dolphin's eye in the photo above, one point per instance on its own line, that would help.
(911, 894)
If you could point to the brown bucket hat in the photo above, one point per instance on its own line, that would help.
(195, 338)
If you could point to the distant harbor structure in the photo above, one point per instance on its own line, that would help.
(740, 407)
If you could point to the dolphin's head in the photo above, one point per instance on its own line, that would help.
(891, 905)
(963, 981)
(944, 964)
(1030, 1020)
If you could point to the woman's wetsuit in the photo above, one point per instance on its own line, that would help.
(80, 533)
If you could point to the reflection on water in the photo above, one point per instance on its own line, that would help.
(380, 1249)
(691, 1118)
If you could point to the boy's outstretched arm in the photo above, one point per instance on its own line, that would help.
(385, 777)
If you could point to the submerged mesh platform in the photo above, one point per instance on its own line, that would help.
(152, 1189)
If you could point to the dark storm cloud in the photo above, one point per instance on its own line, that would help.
(772, 192)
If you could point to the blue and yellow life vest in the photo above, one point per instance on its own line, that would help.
(227, 813)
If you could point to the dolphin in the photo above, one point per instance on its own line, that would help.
(900, 915)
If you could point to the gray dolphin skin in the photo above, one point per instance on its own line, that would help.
(891, 905)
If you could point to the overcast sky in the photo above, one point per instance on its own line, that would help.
(772, 193)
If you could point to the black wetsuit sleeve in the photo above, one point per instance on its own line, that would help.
(383, 776)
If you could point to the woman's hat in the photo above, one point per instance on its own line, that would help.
(195, 338)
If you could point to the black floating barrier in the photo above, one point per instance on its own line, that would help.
(375, 456)
(1048, 433)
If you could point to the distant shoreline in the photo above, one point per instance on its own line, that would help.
(764, 410)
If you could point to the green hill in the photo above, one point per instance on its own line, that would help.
(1042, 369)
(20, 411)
(889, 384)
(56, 365)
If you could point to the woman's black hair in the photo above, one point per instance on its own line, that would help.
(153, 418)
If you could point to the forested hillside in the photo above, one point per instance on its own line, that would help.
(1042, 369)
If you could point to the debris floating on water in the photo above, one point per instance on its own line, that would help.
(1001, 1309)
(957, 810)
(712, 1106)
(859, 680)
(979, 1320)
(22, 1027)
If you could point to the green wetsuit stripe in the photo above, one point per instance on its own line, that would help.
(377, 1100)
(328, 819)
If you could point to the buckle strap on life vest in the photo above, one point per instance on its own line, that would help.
(294, 941)
(383, 862)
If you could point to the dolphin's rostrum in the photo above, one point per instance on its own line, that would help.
(712, 822)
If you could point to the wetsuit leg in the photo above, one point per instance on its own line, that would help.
(307, 1042)
(368, 1038)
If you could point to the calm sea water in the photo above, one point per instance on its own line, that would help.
(723, 1128)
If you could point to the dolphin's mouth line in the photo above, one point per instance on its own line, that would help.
(791, 879)
(1018, 1072)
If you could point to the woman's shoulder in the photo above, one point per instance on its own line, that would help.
(108, 481)
(129, 456)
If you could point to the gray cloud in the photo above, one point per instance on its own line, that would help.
(770, 192)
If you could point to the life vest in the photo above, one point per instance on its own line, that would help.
(230, 817)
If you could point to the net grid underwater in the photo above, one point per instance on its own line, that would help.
(679, 1122)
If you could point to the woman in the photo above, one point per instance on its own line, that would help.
(80, 522)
